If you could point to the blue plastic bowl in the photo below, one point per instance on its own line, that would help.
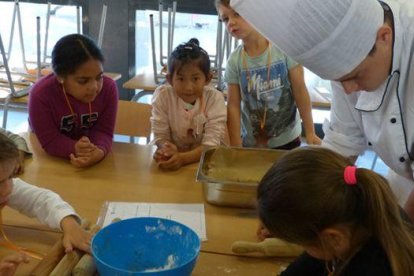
(146, 246)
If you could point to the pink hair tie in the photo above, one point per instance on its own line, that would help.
(350, 175)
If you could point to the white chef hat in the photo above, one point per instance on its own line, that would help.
(329, 37)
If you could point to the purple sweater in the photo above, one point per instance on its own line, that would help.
(51, 119)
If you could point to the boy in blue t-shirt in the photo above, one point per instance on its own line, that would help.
(265, 90)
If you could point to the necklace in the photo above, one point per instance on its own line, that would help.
(197, 119)
(245, 67)
(10, 245)
(331, 267)
(75, 114)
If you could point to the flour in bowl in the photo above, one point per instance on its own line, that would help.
(170, 264)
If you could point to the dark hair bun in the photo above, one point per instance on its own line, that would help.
(194, 41)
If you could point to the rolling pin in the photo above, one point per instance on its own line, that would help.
(64, 267)
(69, 261)
(86, 265)
(269, 247)
(55, 254)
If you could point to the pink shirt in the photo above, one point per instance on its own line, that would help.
(55, 127)
(204, 124)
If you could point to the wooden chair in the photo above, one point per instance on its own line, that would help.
(133, 119)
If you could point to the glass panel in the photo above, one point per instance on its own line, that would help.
(187, 26)
(62, 21)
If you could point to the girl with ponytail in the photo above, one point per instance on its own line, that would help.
(346, 218)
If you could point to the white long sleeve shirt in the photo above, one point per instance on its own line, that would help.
(48, 207)
(381, 120)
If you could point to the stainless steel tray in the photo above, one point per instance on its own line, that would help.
(230, 175)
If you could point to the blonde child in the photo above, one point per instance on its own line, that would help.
(346, 218)
(187, 114)
(32, 201)
(21, 146)
(265, 90)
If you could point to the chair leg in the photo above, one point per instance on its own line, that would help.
(5, 113)
(374, 162)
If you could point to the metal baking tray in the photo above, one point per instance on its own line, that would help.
(230, 175)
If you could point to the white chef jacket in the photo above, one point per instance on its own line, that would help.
(47, 206)
(382, 120)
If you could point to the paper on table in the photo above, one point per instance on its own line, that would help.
(191, 215)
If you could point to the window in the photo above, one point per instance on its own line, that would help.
(187, 26)
(63, 21)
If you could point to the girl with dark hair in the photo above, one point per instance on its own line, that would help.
(346, 218)
(72, 111)
(187, 114)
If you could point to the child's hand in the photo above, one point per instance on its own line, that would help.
(167, 156)
(313, 139)
(9, 264)
(174, 162)
(86, 161)
(20, 163)
(74, 236)
(84, 147)
(262, 233)
(165, 150)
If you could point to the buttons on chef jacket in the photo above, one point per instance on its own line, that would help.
(393, 120)
(402, 159)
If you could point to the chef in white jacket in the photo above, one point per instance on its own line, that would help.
(366, 49)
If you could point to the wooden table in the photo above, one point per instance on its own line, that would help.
(146, 83)
(128, 174)
(208, 264)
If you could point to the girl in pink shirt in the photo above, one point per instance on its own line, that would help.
(187, 114)
(72, 111)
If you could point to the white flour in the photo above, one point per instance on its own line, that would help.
(173, 230)
(170, 264)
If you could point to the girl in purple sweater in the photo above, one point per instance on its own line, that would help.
(72, 111)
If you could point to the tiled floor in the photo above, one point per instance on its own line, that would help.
(17, 122)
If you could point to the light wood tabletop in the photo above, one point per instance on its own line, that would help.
(129, 174)
(208, 264)
(143, 81)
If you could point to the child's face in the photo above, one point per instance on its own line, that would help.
(318, 252)
(335, 242)
(188, 82)
(6, 183)
(235, 24)
(86, 83)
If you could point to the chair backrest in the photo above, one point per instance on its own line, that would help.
(133, 119)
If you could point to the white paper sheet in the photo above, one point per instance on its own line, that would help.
(191, 215)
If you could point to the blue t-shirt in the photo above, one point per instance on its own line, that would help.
(265, 101)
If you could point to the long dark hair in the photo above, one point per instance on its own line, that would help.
(71, 51)
(305, 192)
